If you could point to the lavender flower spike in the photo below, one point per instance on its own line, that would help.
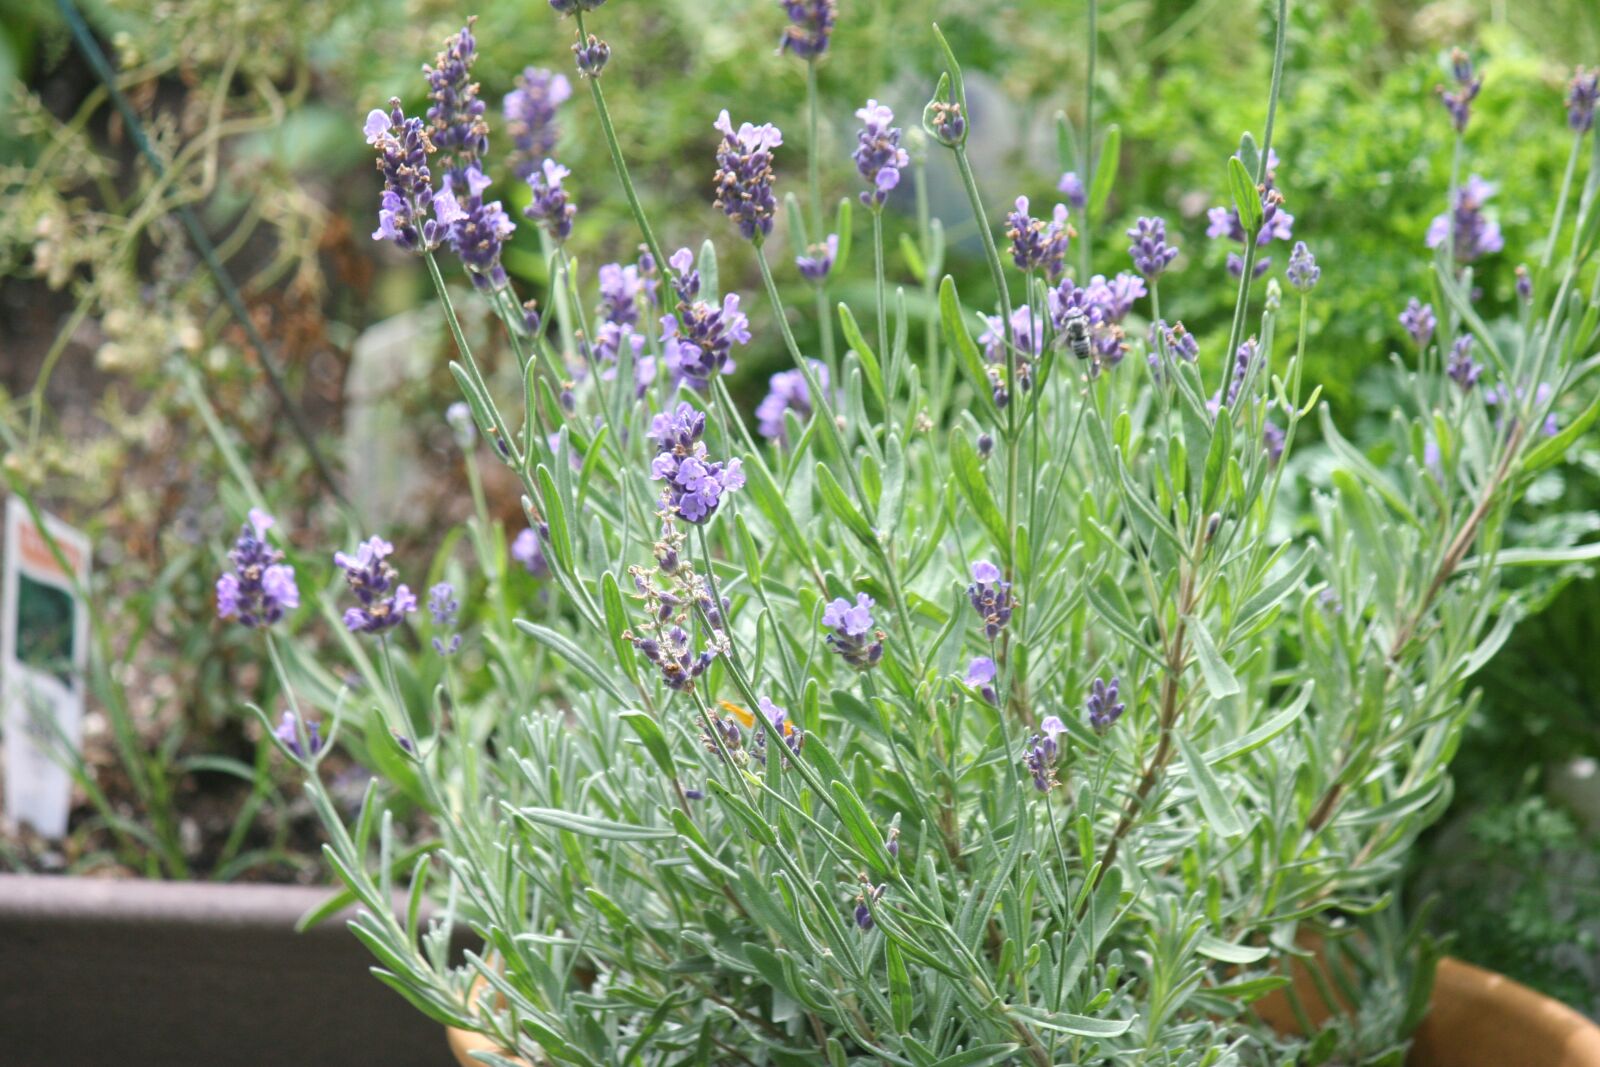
(456, 115)
(991, 597)
(980, 676)
(1303, 271)
(698, 341)
(1459, 102)
(853, 636)
(1460, 366)
(591, 54)
(810, 27)
(1040, 758)
(550, 208)
(403, 148)
(744, 175)
(530, 112)
(261, 587)
(288, 732)
(1470, 232)
(878, 155)
(1419, 321)
(1102, 705)
(569, 7)
(1037, 244)
(1071, 187)
(382, 603)
(1582, 94)
(695, 484)
(788, 392)
(475, 230)
(527, 549)
(685, 278)
(443, 606)
(816, 264)
(1150, 252)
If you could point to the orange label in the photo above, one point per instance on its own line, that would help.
(36, 553)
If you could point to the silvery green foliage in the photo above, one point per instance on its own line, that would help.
(803, 850)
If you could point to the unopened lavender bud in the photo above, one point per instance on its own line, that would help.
(1524, 285)
(985, 445)
(592, 55)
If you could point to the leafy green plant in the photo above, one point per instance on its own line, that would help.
(984, 713)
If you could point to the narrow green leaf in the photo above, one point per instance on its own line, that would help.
(573, 653)
(1242, 186)
(839, 502)
(1219, 810)
(959, 339)
(1226, 952)
(868, 838)
(974, 485)
(1220, 681)
(869, 359)
(655, 742)
(589, 826)
(1105, 171)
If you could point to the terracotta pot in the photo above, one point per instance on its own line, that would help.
(464, 1042)
(1477, 1019)
(1481, 1019)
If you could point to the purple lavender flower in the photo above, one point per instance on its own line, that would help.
(1071, 187)
(1027, 341)
(1303, 271)
(261, 587)
(568, 7)
(792, 735)
(980, 676)
(1150, 251)
(815, 265)
(697, 342)
(1179, 342)
(1103, 708)
(1037, 244)
(991, 597)
(288, 732)
(527, 548)
(382, 603)
(530, 112)
(863, 912)
(1470, 232)
(1116, 297)
(1524, 284)
(673, 653)
(985, 445)
(695, 484)
(1273, 439)
(1040, 758)
(1460, 366)
(949, 125)
(442, 605)
(403, 147)
(1541, 395)
(550, 208)
(744, 175)
(1582, 94)
(620, 288)
(685, 279)
(853, 636)
(609, 340)
(1276, 224)
(810, 27)
(456, 116)
(591, 54)
(786, 392)
(1419, 321)
(1243, 360)
(878, 155)
(475, 230)
(1459, 102)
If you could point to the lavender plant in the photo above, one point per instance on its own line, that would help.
(1012, 718)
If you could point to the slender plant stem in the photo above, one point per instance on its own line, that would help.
(883, 300)
(1088, 160)
(621, 165)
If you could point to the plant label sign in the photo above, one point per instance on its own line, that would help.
(44, 651)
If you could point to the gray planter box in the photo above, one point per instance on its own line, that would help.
(153, 974)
